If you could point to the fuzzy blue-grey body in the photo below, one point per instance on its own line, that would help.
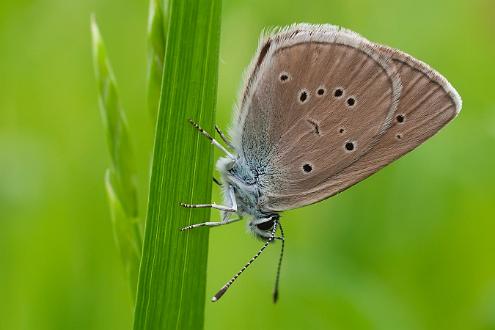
(241, 188)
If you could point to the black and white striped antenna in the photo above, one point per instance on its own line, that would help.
(224, 289)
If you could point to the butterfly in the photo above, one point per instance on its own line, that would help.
(321, 109)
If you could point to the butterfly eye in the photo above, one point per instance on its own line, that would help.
(338, 92)
(320, 91)
(303, 96)
(265, 226)
(400, 118)
(341, 131)
(398, 136)
(307, 168)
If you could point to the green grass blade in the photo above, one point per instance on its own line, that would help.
(126, 233)
(171, 290)
(157, 26)
(120, 178)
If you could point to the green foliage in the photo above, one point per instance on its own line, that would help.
(120, 177)
(172, 280)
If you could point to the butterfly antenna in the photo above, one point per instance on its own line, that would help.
(224, 289)
(277, 278)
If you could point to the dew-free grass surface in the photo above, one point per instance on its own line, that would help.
(172, 279)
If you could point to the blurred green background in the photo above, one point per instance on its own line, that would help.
(410, 248)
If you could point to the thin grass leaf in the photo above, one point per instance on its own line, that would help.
(126, 234)
(157, 27)
(120, 179)
(172, 277)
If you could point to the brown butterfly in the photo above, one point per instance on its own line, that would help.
(322, 108)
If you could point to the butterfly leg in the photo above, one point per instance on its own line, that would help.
(212, 140)
(225, 221)
(225, 214)
(231, 198)
(213, 206)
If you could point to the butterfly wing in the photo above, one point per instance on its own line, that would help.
(427, 103)
(318, 98)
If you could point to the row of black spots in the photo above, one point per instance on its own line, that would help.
(349, 146)
(339, 92)
(321, 91)
(304, 94)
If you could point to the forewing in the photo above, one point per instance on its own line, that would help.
(427, 103)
